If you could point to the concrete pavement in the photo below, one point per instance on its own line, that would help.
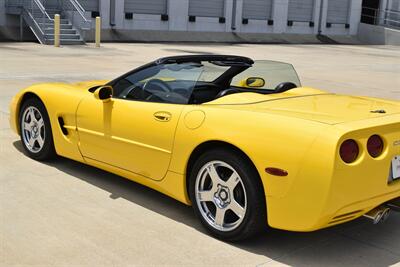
(65, 213)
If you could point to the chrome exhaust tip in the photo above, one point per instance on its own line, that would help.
(385, 215)
(378, 214)
(394, 204)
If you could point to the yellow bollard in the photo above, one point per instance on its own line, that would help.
(57, 30)
(98, 31)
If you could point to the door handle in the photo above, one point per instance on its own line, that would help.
(162, 116)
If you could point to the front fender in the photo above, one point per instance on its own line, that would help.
(61, 101)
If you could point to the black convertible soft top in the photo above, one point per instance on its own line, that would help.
(210, 58)
(237, 64)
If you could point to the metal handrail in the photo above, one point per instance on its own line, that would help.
(79, 6)
(70, 9)
(34, 21)
(383, 16)
(34, 25)
(387, 20)
(42, 9)
(378, 10)
(40, 5)
(392, 11)
(79, 9)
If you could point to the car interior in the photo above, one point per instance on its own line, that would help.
(185, 80)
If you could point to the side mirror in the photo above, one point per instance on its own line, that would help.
(255, 82)
(103, 93)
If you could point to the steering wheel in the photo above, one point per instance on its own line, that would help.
(155, 85)
(285, 86)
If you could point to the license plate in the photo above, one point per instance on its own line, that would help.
(396, 167)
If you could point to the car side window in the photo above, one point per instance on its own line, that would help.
(164, 83)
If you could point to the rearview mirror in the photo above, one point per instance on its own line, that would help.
(103, 92)
(255, 82)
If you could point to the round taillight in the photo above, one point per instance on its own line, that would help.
(375, 146)
(349, 151)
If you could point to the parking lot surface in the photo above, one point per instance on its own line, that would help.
(65, 213)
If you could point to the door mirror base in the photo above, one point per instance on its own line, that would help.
(103, 93)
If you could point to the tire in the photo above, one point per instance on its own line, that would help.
(36, 135)
(209, 197)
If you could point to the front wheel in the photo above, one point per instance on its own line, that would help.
(227, 195)
(36, 135)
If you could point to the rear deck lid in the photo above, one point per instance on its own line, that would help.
(324, 108)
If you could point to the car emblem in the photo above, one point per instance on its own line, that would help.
(378, 111)
(396, 143)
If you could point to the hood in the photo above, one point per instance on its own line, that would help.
(90, 84)
(312, 104)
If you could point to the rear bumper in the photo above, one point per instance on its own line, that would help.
(309, 217)
(355, 210)
(327, 192)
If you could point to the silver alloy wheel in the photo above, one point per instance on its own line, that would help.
(33, 129)
(220, 195)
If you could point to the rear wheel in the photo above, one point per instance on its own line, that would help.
(36, 135)
(227, 195)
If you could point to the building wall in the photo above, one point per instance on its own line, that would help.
(9, 26)
(233, 23)
(378, 35)
(2, 12)
(392, 17)
(178, 19)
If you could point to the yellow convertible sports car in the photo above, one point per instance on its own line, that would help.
(240, 140)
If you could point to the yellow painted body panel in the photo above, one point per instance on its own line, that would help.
(299, 131)
(128, 136)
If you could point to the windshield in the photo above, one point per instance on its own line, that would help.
(273, 73)
(212, 71)
(165, 83)
(202, 81)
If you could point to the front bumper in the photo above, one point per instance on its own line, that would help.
(14, 106)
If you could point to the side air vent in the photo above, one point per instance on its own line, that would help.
(61, 123)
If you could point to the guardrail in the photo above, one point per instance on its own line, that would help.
(387, 17)
(76, 13)
(34, 13)
(28, 12)
(35, 7)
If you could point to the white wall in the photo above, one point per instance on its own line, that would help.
(340, 29)
(178, 19)
(2, 12)
(178, 14)
(378, 35)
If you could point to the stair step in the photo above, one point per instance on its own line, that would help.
(52, 23)
(62, 31)
(66, 41)
(48, 26)
(41, 20)
(52, 10)
(64, 36)
(49, 9)
(68, 34)
(39, 13)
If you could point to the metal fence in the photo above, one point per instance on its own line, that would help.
(387, 17)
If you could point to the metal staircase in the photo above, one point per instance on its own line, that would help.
(40, 18)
